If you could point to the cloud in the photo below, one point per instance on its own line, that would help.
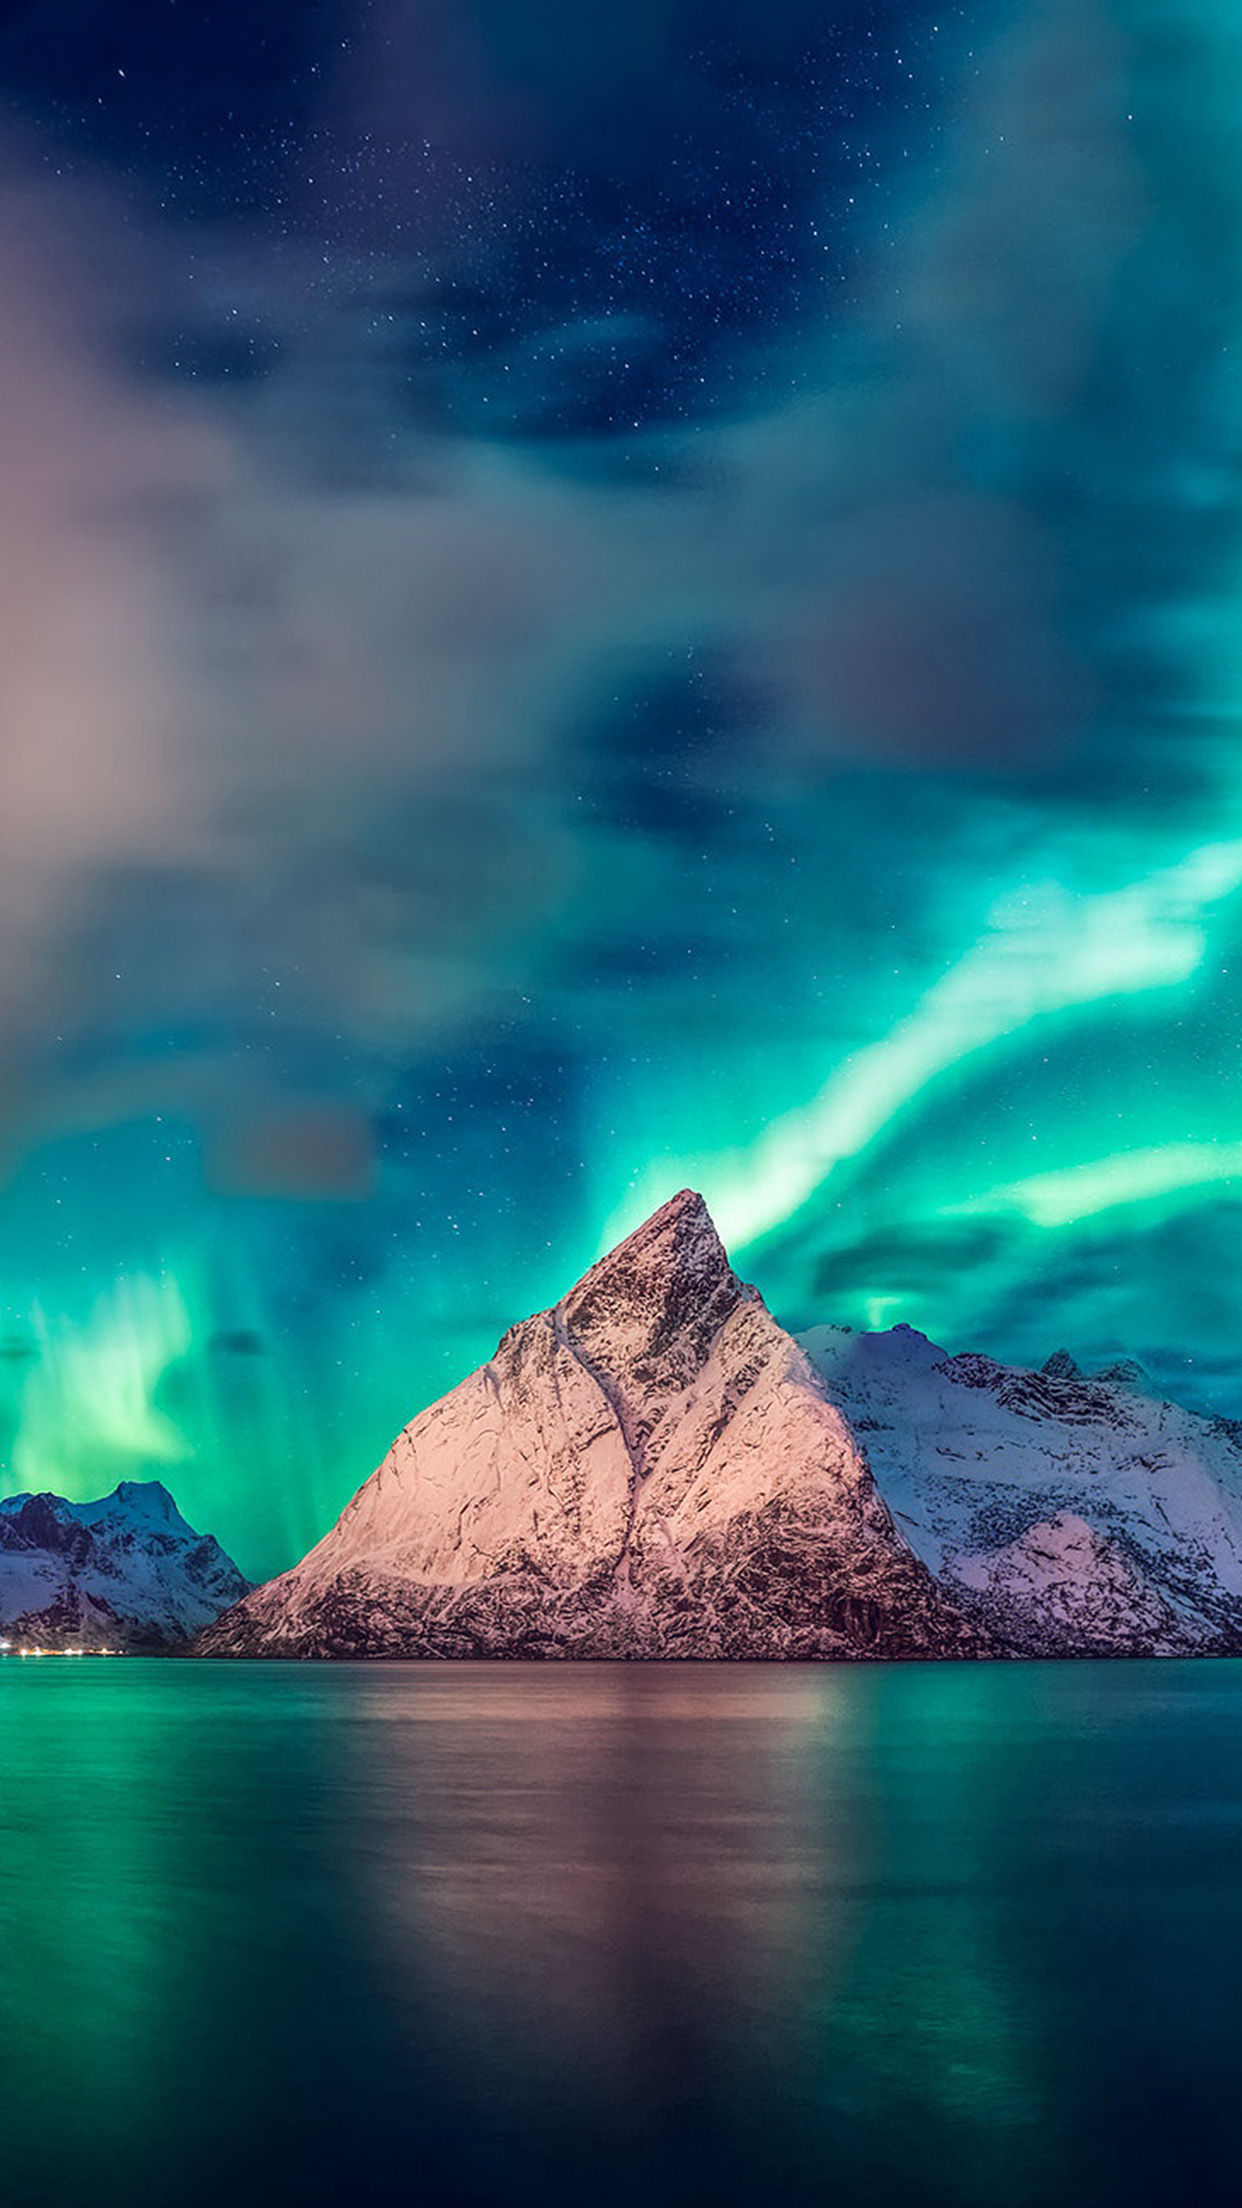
(933, 638)
(308, 1155)
(322, 726)
(1011, 285)
(94, 763)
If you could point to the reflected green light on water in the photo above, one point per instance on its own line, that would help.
(936, 1934)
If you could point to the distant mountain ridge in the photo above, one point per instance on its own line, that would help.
(655, 1468)
(1072, 1514)
(123, 1572)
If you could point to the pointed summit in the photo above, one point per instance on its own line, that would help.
(1061, 1366)
(145, 1502)
(678, 1235)
(659, 1298)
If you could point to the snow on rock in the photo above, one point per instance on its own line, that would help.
(651, 1468)
(1065, 1587)
(124, 1572)
(1072, 1515)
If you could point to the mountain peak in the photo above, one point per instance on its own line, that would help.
(1061, 1366)
(139, 1503)
(150, 1493)
(678, 1238)
(676, 1231)
(1125, 1372)
(670, 1275)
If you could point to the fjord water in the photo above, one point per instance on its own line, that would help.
(943, 1935)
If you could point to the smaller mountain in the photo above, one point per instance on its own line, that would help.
(1073, 1514)
(125, 1572)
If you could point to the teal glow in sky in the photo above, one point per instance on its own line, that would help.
(552, 651)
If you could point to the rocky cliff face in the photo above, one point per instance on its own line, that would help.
(124, 1573)
(651, 1468)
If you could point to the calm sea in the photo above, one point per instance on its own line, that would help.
(934, 1936)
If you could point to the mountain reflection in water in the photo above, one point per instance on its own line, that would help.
(940, 1935)
(596, 1880)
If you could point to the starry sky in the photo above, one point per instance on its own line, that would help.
(592, 602)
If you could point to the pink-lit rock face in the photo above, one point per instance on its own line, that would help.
(651, 1468)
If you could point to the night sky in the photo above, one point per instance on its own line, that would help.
(598, 600)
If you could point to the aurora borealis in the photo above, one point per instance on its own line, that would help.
(590, 605)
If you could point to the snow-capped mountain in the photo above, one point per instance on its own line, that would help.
(125, 1572)
(651, 1468)
(1071, 1514)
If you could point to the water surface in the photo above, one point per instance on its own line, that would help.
(938, 1935)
